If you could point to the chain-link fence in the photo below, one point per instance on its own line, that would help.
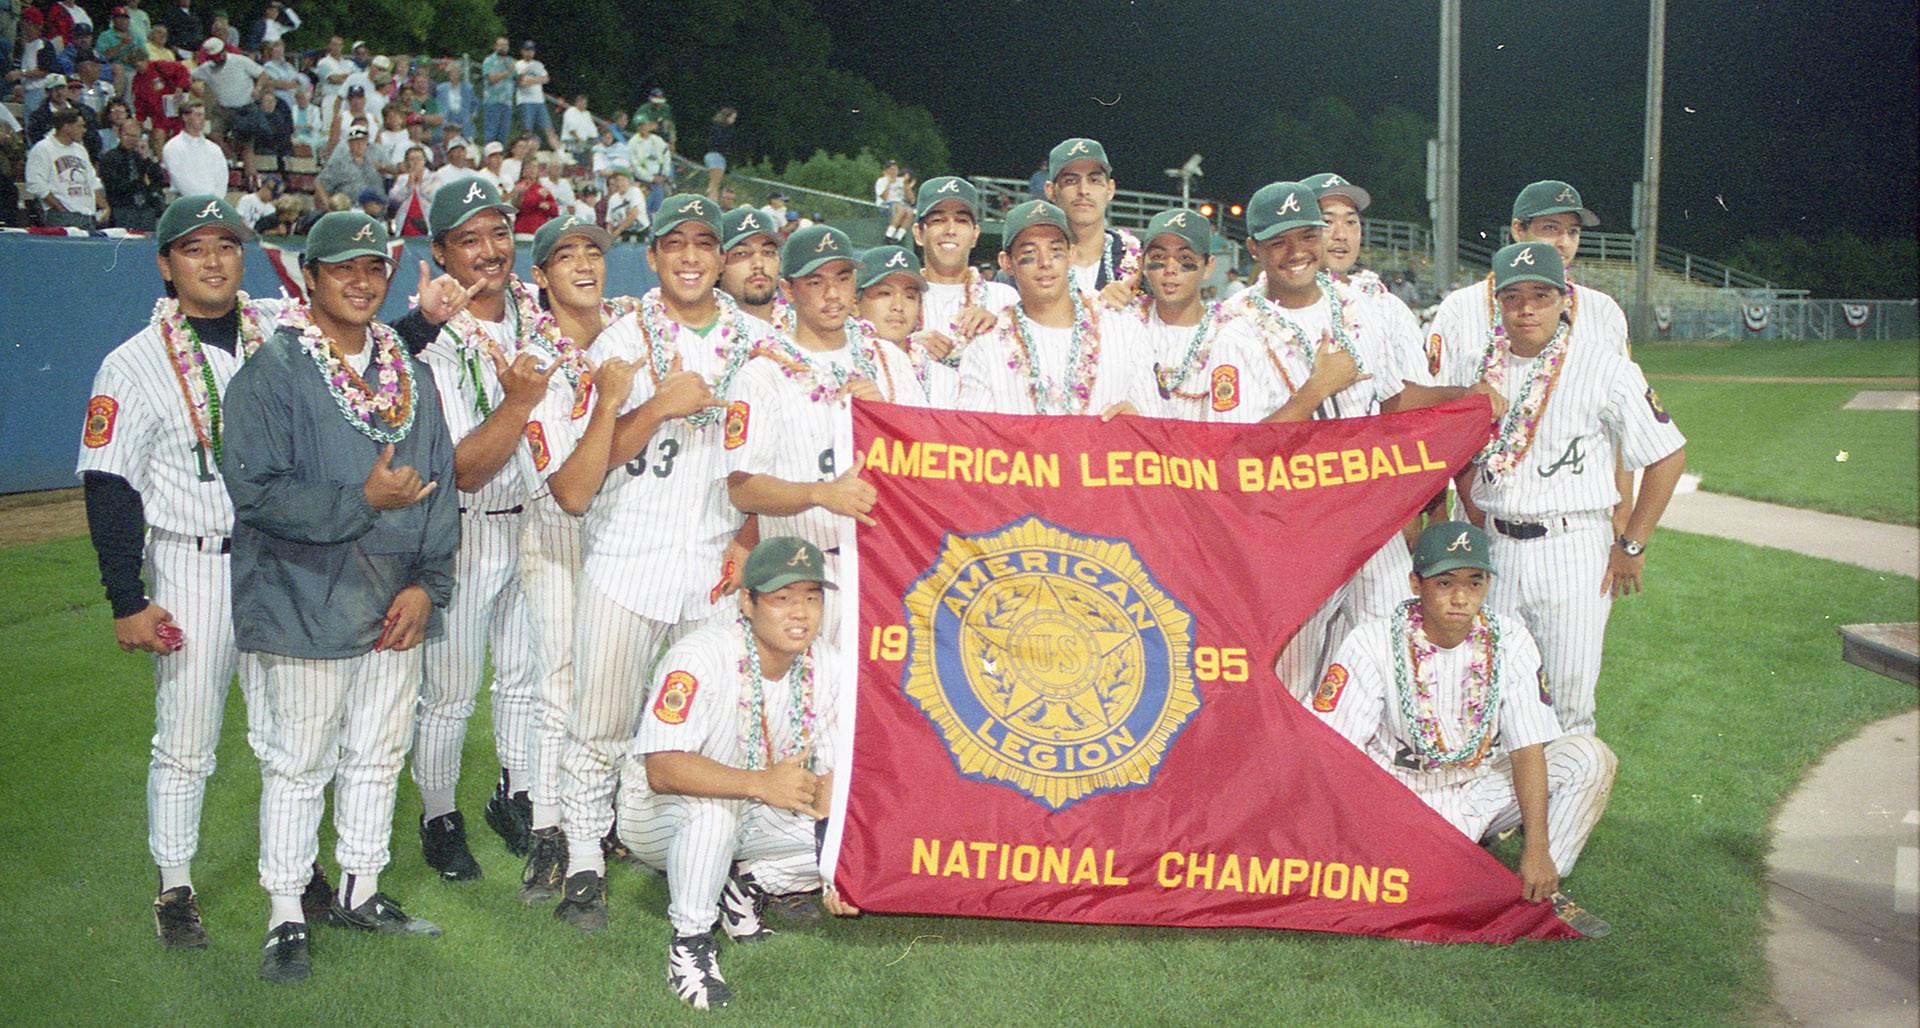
(1758, 316)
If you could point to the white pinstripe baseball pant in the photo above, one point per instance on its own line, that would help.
(1579, 781)
(345, 721)
(191, 580)
(1553, 584)
(696, 839)
(487, 612)
(549, 579)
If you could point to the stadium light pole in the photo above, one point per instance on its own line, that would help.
(1446, 177)
(1647, 222)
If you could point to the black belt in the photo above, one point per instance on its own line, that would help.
(515, 509)
(1520, 529)
(203, 543)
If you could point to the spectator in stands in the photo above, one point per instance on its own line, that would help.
(554, 176)
(534, 200)
(493, 159)
(622, 125)
(627, 217)
(158, 46)
(258, 204)
(519, 152)
(108, 133)
(661, 112)
(36, 61)
(275, 21)
(139, 24)
(13, 164)
(530, 95)
(159, 88)
(893, 194)
(420, 98)
(389, 146)
(496, 93)
(61, 17)
(652, 159)
(278, 74)
(309, 120)
(333, 67)
(79, 46)
(374, 83)
(195, 166)
(578, 131)
(457, 164)
(728, 199)
(91, 87)
(288, 212)
(132, 179)
(586, 205)
(412, 194)
(117, 46)
(458, 106)
(719, 141)
(222, 29)
(374, 204)
(40, 122)
(611, 155)
(230, 79)
(349, 172)
(362, 58)
(183, 26)
(355, 115)
(60, 175)
(265, 127)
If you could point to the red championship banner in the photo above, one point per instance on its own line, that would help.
(1066, 708)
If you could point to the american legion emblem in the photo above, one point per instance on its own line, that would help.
(1049, 661)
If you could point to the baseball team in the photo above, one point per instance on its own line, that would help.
(630, 509)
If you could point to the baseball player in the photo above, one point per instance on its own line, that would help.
(892, 295)
(1057, 351)
(1196, 378)
(1449, 698)
(1105, 262)
(751, 242)
(647, 473)
(1309, 352)
(958, 302)
(1543, 481)
(570, 268)
(148, 460)
(731, 771)
(493, 361)
(346, 526)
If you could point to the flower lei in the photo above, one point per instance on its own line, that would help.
(1522, 420)
(973, 292)
(781, 313)
(534, 322)
(197, 387)
(1294, 338)
(1128, 263)
(733, 346)
(1413, 679)
(384, 415)
(1199, 349)
(827, 378)
(1367, 281)
(1083, 359)
(755, 738)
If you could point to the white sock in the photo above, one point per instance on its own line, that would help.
(282, 909)
(516, 781)
(357, 888)
(585, 857)
(436, 802)
(175, 877)
(546, 815)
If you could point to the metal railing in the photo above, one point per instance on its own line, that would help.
(1131, 208)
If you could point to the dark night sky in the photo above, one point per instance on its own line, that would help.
(1803, 114)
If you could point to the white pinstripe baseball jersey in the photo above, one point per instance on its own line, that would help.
(1200, 379)
(1278, 343)
(1456, 342)
(1359, 697)
(653, 537)
(995, 375)
(698, 703)
(469, 391)
(1601, 399)
(138, 428)
(1399, 333)
(940, 303)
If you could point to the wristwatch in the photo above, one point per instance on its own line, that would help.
(1631, 548)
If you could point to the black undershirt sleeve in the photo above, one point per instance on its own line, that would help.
(416, 331)
(119, 531)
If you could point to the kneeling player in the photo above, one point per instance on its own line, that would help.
(732, 768)
(1451, 700)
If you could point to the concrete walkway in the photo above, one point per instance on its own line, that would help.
(1843, 879)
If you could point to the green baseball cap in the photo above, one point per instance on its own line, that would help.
(1551, 197)
(1187, 225)
(677, 210)
(344, 235)
(813, 247)
(1279, 206)
(940, 190)
(1327, 184)
(1528, 262)
(462, 198)
(1029, 215)
(782, 561)
(191, 213)
(1072, 150)
(743, 223)
(882, 261)
(1449, 546)
(557, 229)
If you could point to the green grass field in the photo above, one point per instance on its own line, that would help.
(1779, 442)
(1716, 698)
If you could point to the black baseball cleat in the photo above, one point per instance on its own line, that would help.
(1579, 918)
(176, 918)
(546, 871)
(614, 851)
(797, 907)
(740, 904)
(382, 916)
(285, 958)
(443, 841)
(694, 974)
(583, 904)
(511, 817)
(316, 901)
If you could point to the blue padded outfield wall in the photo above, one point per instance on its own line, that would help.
(66, 302)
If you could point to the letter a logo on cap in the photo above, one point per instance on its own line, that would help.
(1567, 195)
(1462, 543)
(1333, 180)
(1178, 219)
(952, 186)
(826, 243)
(366, 232)
(1292, 204)
(1079, 146)
(474, 192)
(690, 205)
(212, 209)
(749, 222)
(1523, 257)
(898, 260)
(800, 559)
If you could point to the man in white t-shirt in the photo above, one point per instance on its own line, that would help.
(230, 79)
(959, 302)
(530, 96)
(61, 177)
(195, 164)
